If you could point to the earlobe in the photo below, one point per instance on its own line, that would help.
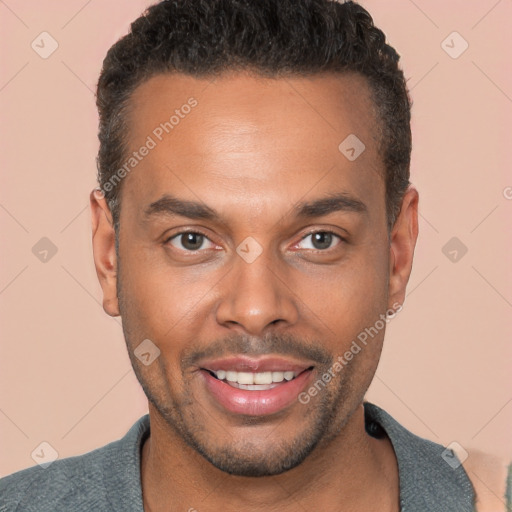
(103, 243)
(402, 243)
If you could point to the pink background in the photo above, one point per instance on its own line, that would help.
(65, 377)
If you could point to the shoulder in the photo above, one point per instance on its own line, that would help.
(490, 475)
(64, 483)
(453, 478)
(107, 478)
(431, 475)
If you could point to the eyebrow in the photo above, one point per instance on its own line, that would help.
(169, 205)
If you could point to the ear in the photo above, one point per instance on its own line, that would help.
(104, 250)
(402, 243)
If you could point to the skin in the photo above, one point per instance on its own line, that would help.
(252, 149)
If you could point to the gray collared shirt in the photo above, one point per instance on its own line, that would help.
(108, 478)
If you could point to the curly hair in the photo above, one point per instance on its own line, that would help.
(204, 38)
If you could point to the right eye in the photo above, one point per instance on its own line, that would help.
(188, 240)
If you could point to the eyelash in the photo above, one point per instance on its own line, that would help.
(197, 232)
(327, 231)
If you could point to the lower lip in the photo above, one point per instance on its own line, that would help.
(256, 403)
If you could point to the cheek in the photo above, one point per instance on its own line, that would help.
(159, 302)
(346, 298)
(147, 282)
(166, 302)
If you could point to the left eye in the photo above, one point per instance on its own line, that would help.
(320, 240)
(189, 241)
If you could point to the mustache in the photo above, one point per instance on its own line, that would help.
(276, 344)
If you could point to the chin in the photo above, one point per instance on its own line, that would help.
(267, 464)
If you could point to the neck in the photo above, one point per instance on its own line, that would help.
(352, 471)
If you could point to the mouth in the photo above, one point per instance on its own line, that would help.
(251, 381)
(255, 387)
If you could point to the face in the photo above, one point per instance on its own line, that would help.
(252, 254)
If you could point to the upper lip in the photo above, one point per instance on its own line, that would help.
(249, 364)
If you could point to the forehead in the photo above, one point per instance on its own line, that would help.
(268, 140)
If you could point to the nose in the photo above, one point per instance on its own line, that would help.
(254, 297)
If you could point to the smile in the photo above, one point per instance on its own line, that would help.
(255, 387)
(254, 381)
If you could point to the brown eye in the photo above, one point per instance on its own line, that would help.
(188, 241)
(320, 240)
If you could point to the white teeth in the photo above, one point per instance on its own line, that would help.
(248, 379)
(253, 387)
(277, 376)
(263, 378)
(245, 378)
(232, 376)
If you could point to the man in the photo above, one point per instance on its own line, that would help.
(255, 229)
